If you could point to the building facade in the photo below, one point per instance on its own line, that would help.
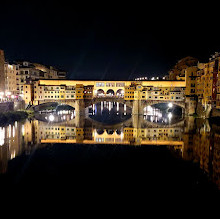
(42, 91)
(2, 72)
(16, 75)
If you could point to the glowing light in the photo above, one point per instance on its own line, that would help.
(13, 154)
(2, 136)
(170, 105)
(51, 118)
(170, 115)
(9, 131)
(13, 131)
(10, 67)
(149, 110)
(22, 130)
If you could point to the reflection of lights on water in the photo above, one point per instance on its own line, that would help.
(169, 115)
(2, 136)
(71, 116)
(13, 154)
(13, 131)
(51, 118)
(9, 131)
(170, 105)
(22, 130)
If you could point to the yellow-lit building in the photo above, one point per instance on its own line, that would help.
(55, 90)
(11, 71)
(191, 81)
(129, 92)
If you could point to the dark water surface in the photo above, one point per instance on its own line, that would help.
(79, 157)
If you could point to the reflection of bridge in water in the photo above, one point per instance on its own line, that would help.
(192, 139)
(134, 131)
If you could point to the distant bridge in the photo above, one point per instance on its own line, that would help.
(135, 94)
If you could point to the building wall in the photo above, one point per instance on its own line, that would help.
(11, 71)
(54, 90)
(28, 94)
(2, 73)
(191, 81)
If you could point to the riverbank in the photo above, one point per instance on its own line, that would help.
(12, 116)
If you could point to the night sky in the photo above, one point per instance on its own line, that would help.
(108, 41)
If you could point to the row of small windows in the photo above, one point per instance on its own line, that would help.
(56, 96)
(129, 96)
(62, 129)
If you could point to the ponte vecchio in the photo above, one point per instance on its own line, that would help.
(135, 94)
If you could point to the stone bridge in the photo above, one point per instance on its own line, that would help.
(137, 106)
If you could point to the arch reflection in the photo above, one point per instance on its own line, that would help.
(194, 139)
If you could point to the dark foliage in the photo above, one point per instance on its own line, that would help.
(10, 117)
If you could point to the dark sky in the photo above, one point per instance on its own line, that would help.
(108, 41)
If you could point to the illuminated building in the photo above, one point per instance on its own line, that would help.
(17, 74)
(2, 73)
(178, 71)
(11, 71)
(43, 91)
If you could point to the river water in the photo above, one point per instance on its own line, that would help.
(112, 148)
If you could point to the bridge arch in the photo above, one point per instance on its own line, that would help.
(100, 93)
(99, 131)
(118, 131)
(120, 93)
(110, 92)
(174, 103)
(110, 131)
(165, 107)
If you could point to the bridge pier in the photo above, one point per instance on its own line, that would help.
(137, 108)
(190, 106)
(79, 112)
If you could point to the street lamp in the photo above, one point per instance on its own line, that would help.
(170, 105)
(51, 118)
